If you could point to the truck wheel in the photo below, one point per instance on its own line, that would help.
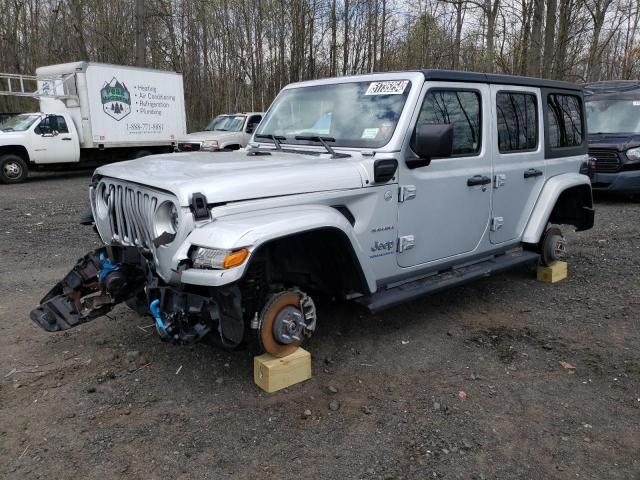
(286, 320)
(553, 246)
(13, 169)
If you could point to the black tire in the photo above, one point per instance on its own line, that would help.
(13, 169)
(142, 153)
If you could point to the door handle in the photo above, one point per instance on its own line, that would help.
(68, 139)
(532, 172)
(478, 180)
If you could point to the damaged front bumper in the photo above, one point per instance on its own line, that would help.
(111, 275)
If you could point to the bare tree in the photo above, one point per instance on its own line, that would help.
(141, 44)
(236, 55)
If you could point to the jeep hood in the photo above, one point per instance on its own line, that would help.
(232, 176)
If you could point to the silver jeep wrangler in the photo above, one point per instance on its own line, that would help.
(376, 188)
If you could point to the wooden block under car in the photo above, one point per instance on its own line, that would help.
(272, 373)
(553, 273)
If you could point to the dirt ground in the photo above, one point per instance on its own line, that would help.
(109, 400)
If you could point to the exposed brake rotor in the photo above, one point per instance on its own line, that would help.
(286, 320)
(554, 246)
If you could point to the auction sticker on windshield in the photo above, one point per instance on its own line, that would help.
(370, 133)
(394, 87)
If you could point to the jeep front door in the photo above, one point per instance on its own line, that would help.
(444, 207)
(518, 161)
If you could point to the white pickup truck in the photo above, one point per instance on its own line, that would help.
(225, 132)
(90, 113)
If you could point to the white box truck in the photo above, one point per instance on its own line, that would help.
(90, 113)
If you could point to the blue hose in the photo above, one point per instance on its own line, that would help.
(154, 307)
(107, 267)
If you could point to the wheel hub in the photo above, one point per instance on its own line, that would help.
(289, 325)
(559, 246)
(554, 246)
(286, 320)
(12, 169)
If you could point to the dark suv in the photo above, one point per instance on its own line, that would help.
(613, 117)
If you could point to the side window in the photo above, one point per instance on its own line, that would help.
(62, 125)
(461, 108)
(44, 124)
(517, 119)
(253, 122)
(565, 120)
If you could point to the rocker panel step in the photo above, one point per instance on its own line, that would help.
(391, 297)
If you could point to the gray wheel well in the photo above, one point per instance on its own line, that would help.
(18, 150)
(317, 260)
(574, 207)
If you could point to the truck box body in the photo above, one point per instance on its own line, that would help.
(117, 106)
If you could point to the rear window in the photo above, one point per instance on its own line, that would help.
(564, 116)
(517, 118)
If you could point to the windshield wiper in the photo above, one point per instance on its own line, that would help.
(323, 141)
(8, 129)
(276, 139)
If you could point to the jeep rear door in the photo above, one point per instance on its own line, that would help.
(449, 213)
(518, 160)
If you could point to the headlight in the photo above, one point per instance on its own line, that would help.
(218, 259)
(166, 219)
(209, 145)
(634, 154)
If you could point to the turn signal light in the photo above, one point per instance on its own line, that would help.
(235, 258)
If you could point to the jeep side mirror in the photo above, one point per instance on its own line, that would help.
(431, 141)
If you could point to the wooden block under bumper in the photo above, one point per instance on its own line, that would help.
(272, 374)
(553, 273)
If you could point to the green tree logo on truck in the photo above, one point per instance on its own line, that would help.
(116, 99)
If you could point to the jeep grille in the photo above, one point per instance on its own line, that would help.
(607, 161)
(130, 211)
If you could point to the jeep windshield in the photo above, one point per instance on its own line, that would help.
(357, 114)
(613, 116)
(19, 123)
(226, 123)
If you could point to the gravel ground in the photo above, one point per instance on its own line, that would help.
(109, 400)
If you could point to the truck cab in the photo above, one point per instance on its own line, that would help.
(613, 116)
(38, 138)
